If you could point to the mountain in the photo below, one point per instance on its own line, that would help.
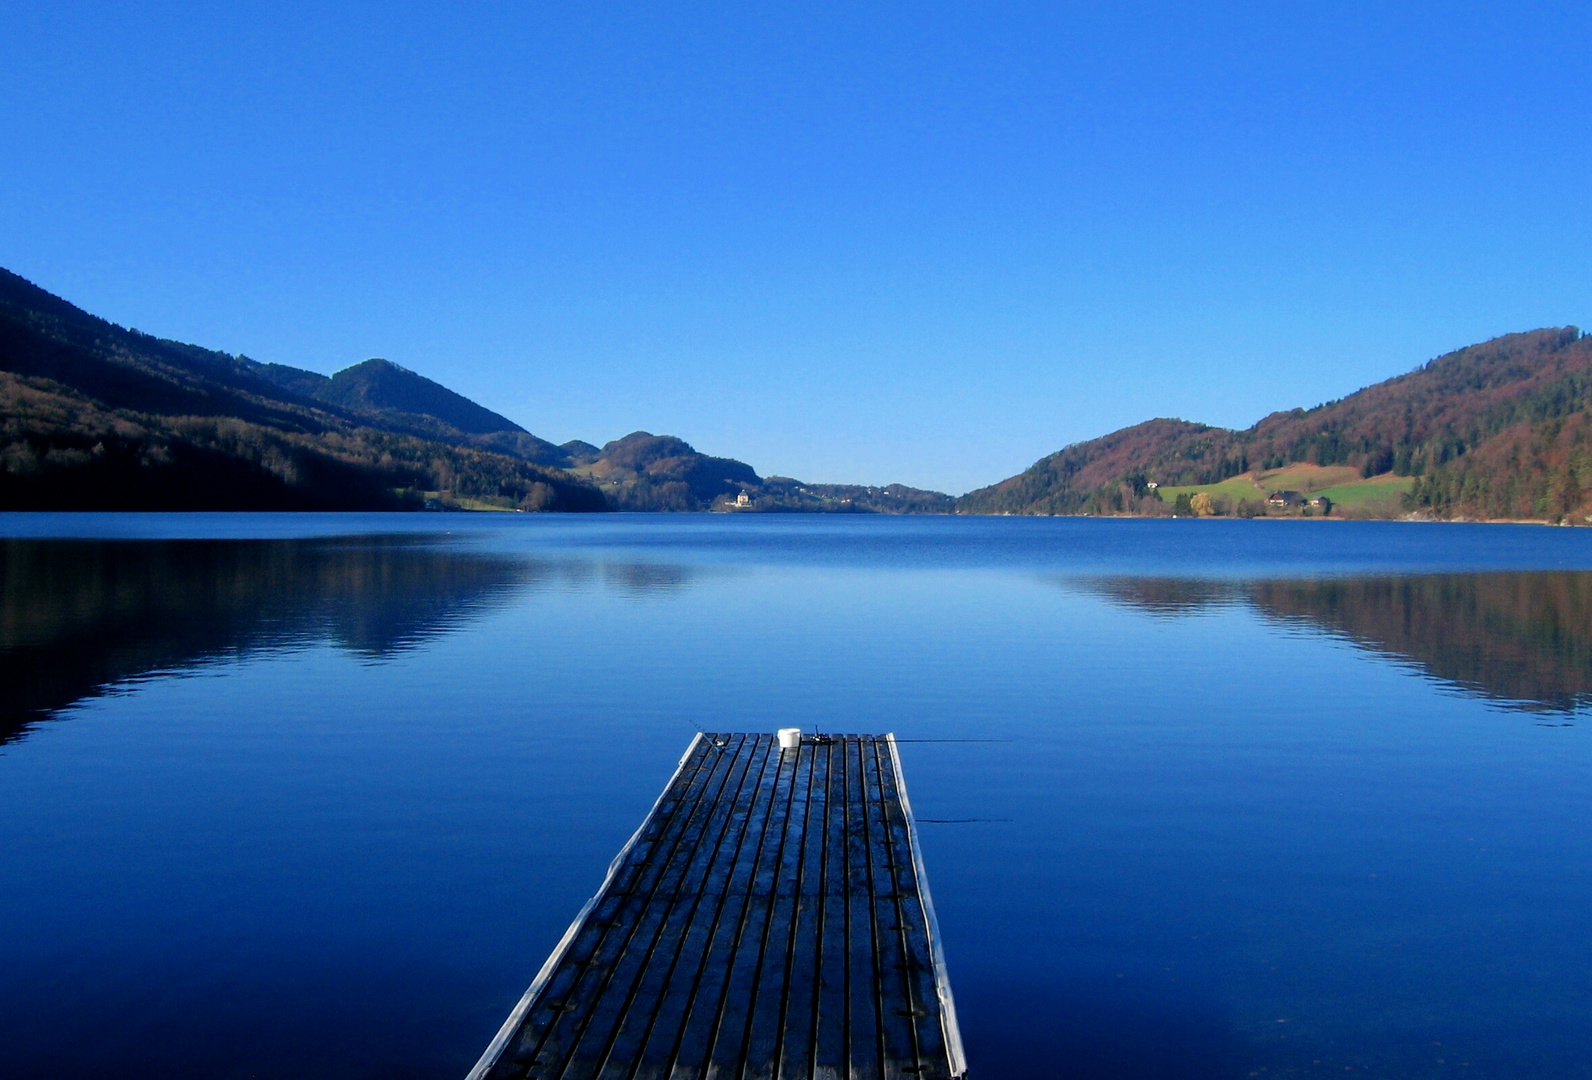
(1498, 430)
(381, 386)
(397, 399)
(95, 416)
(781, 494)
(577, 452)
(43, 336)
(643, 471)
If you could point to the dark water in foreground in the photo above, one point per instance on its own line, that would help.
(300, 796)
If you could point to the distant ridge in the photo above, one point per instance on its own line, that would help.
(377, 386)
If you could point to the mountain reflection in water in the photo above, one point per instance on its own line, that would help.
(1522, 639)
(80, 616)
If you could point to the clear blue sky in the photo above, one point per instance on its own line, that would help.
(847, 242)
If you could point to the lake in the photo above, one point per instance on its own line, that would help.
(314, 795)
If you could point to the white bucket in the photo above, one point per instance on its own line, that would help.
(789, 738)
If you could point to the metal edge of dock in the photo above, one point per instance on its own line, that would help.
(942, 978)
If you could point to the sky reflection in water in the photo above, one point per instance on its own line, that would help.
(1306, 799)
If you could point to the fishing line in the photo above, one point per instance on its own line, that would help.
(953, 740)
(711, 738)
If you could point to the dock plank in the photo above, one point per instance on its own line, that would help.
(897, 1011)
(760, 1042)
(865, 1052)
(727, 1056)
(769, 920)
(704, 1006)
(805, 949)
(684, 982)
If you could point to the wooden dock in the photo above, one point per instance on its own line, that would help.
(769, 919)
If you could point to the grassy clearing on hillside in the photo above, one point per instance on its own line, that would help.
(1340, 484)
(1235, 488)
(1362, 493)
(489, 505)
(1309, 479)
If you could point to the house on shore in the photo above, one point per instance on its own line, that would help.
(1293, 500)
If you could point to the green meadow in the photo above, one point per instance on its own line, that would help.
(1342, 485)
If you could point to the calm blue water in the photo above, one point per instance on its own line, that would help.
(313, 796)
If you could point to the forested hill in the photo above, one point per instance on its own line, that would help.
(380, 386)
(643, 471)
(95, 416)
(1497, 430)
